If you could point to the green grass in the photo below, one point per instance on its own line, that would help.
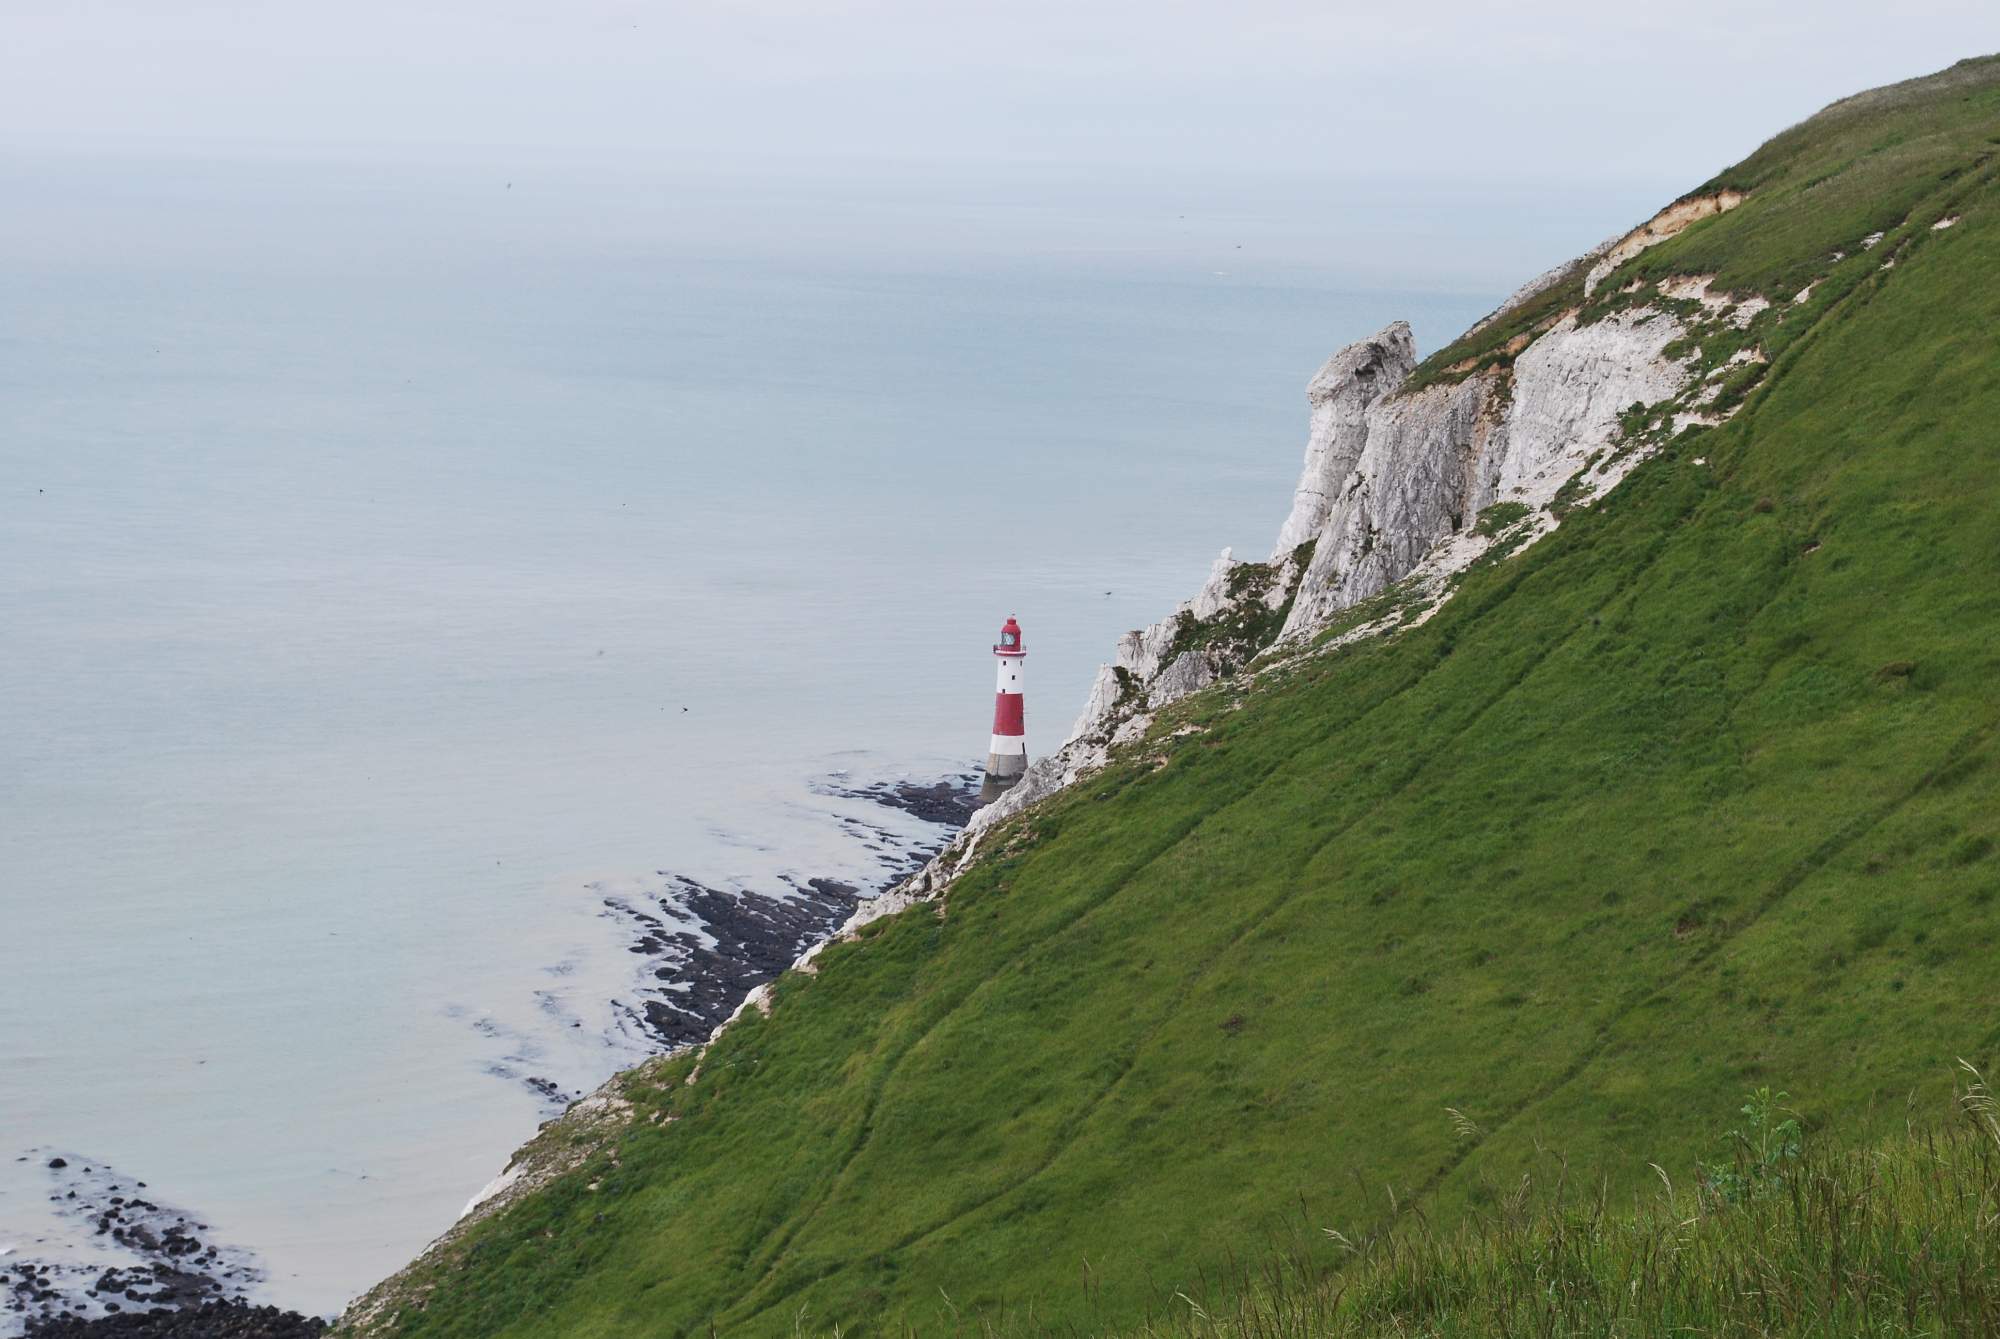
(1871, 163)
(1488, 348)
(1799, 1238)
(1891, 160)
(1699, 793)
(1499, 517)
(1248, 625)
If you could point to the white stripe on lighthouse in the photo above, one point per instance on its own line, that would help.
(1007, 758)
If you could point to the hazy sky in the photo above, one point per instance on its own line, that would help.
(1527, 91)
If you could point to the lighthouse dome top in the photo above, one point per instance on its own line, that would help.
(1010, 643)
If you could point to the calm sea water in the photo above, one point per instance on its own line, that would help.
(395, 558)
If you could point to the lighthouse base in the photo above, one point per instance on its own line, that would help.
(1002, 771)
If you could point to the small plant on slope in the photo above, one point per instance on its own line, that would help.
(1763, 1151)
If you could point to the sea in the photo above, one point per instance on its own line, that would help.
(414, 575)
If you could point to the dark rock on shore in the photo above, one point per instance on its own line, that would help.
(746, 938)
(145, 1257)
(948, 803)
(714, 946)
(210, 1320)
(707, 948)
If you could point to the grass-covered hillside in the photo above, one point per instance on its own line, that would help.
(1782, 1235)
(1699, 794)
(1866, 165)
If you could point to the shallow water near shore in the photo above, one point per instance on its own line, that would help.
(401, 567)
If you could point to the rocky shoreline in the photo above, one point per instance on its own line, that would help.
(154, 1273)
(147, 1258)
(707, 948)
(210, 1320)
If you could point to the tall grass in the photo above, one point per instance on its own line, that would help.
(1900, 1239)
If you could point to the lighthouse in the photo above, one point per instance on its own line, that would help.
(1008, 758)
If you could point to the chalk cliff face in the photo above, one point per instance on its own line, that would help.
(1407, 490)
(1394, 480)
(1432, 461)
(1340, 394)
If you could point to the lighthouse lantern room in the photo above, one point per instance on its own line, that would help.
(1007, 759)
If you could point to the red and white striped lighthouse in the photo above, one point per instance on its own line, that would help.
(1008, 758)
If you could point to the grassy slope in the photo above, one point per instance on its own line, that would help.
(1806, 1241)
(1700, 791)
(1865, 164)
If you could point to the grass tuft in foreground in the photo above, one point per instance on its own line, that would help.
(1787, 1236)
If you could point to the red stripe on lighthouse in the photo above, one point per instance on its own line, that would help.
(1007, 719)
(1007, 755)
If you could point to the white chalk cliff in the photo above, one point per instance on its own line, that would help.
(1339, 396)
